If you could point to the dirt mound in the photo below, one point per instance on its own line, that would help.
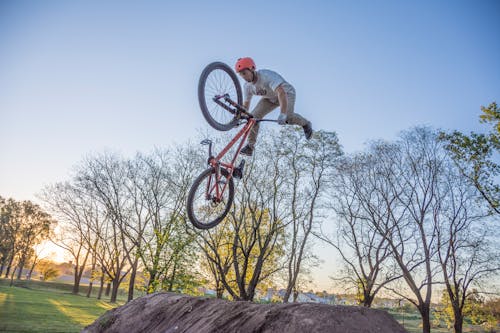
(169, 313)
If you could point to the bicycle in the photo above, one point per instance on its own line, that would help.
(211, 195)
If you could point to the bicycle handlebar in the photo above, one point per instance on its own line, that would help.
(271, 120)
(240, 110)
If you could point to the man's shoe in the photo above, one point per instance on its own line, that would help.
(247, 150)
(308, 131)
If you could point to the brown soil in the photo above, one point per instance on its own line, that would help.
(169, 313)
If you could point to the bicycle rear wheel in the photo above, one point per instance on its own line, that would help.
(203, 210)
(215, 80)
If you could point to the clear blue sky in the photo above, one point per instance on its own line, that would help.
(78, 77)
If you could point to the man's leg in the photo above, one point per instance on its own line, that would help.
(293, 118)
(296, 119)
(260, 111)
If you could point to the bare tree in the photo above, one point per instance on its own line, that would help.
(76, 213)
(160, 185)
(411, 170)
(305, 167)
(466, 253)
(104, 177)
(365, 253)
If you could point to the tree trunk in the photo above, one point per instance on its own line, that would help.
(368, 300)
(20, 272)
(76, 284)
(152, 283)
(291, 284)
(426, 320)
(288, 292)
(89, 291)
(91, 281)
(291, 290)
(131, 284)
(21, 266)
(2, 265)
(251, 294)
(9, 267)
(219, 291)
(31, 270)
(79, 269)
(101, 287)
(108, 289)
(114, 291)
(459, 321)
(172, 277)
(12, 277)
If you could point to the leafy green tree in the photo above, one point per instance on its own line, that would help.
(48, 270)
(5, 237)
(10, 226)
(444, 313)
(23, 225)
(157, 188)
(492, 308)
(35, 227)
(475, 309)
(474, 154)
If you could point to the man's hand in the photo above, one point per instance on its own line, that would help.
(282, 119)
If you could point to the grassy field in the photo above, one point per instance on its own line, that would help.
(35, 306)
(412, 323)
(47, 310)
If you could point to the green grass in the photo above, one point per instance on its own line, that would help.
(66, 287)
(412, 322)
(35, 310)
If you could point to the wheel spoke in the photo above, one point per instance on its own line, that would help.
(205, 207)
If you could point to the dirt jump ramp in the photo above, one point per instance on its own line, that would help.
(174, 313)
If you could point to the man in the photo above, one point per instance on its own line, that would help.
(275, 91)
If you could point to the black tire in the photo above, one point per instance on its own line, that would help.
(218, 79)
(202, 212)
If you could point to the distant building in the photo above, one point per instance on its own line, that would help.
(272, 295)
(313, 298)
(206, 292)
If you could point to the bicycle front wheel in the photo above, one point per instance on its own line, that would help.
(204, 209)
(218, 79)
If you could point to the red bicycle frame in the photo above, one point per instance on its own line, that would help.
(215, 162)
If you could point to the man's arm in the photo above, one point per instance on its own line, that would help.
(247, 97)
(282, 99)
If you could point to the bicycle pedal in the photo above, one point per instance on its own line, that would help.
(238, 171)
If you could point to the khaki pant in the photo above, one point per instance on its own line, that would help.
(265, 106)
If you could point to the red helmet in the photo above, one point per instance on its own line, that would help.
(244, 63)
